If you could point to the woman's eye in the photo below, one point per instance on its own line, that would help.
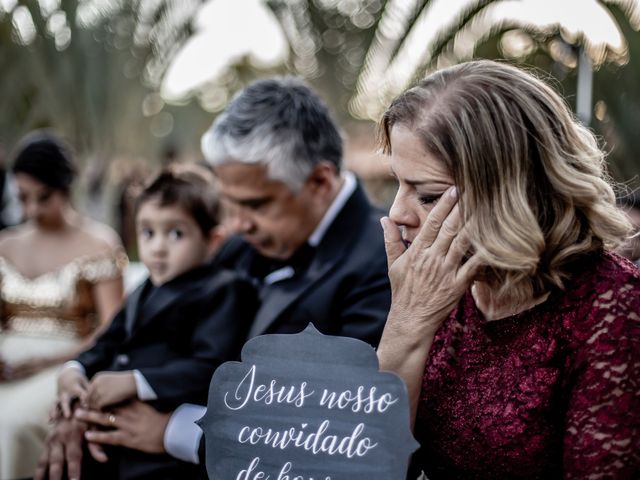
(429, 199)
(146, 233)
(175, 234)
(44, 198)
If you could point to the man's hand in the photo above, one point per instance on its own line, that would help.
(135, 425)
(109, 388)
(63, 446)
(72, 384)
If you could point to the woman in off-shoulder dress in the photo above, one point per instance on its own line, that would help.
(60, 283)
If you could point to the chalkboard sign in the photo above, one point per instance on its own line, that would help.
(307, 407)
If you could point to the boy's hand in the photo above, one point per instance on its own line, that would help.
(72, 385)
(109, 388)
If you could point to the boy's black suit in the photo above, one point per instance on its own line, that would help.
(341, 286)
(175, 335)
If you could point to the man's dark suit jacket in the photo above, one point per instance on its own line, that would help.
(175, 335)
(343, 289)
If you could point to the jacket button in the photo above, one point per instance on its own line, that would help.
(122, 360)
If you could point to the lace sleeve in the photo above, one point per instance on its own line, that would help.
(602, 437)
(104, 267)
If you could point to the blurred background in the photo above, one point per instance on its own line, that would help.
(133, 84)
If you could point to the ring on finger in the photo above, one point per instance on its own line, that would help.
(111, 419)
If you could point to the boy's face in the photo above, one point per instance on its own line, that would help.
(169, 241)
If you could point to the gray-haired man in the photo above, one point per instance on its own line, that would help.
(309, 237)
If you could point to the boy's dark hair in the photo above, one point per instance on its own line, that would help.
(188, 186)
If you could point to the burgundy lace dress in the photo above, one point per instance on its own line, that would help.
(553, 392)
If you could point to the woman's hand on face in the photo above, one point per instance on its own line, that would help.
(429, 277)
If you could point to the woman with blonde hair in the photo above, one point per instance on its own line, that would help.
(515, 327)
(60, 283)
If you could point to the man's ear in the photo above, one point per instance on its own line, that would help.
(323, 178)
(215, 239)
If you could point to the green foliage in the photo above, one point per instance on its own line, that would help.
(336, 67)
(336, 37)
(617, 100)
(91, 89)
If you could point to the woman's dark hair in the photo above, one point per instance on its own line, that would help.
(190, 187)
(44, 156)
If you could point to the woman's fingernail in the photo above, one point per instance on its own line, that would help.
(453, 192)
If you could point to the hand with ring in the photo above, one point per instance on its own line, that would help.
(135, 425)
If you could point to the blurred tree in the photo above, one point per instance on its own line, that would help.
(616, 94)
(362, 53)
(617, 105)
(329, 41)
(90, 69)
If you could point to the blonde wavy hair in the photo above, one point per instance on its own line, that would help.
(532, 181)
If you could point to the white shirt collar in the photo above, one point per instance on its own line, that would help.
(348, 187)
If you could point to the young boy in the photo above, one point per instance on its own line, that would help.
(175, 329)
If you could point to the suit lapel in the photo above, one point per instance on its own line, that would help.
(279, 296)
(132, 307)
(164, 296)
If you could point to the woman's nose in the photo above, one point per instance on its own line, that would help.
(402, 213)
